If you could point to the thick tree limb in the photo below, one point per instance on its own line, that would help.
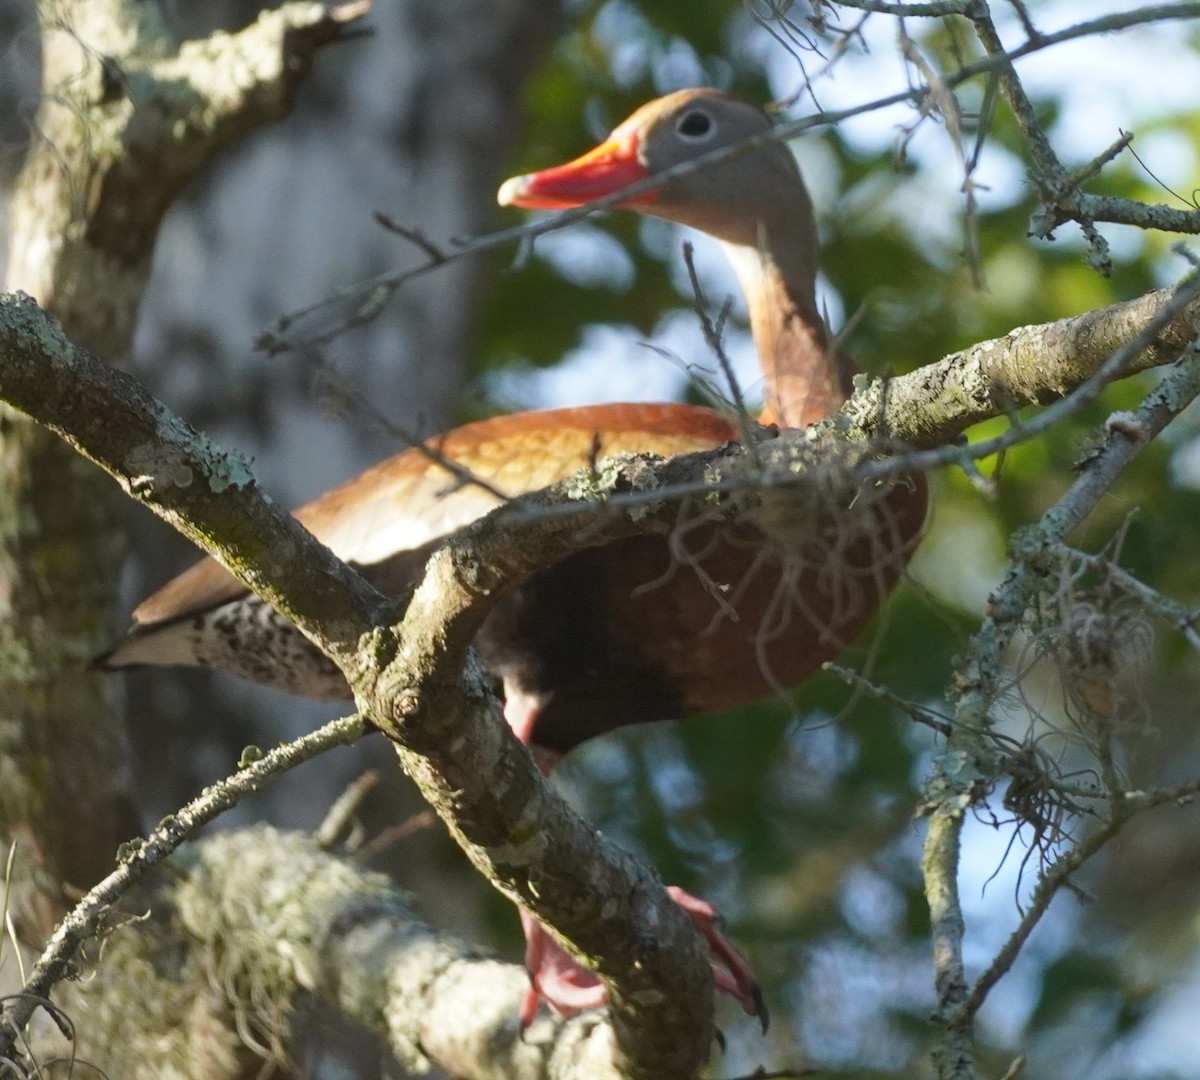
(128, 117)
(138, 857)
(282, 930)
(354, 942)
(1032, 365)
(162, 462)
(410, 679)
(661, 987)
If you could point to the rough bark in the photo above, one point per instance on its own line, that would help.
(283, 931)
(127, 116)
(414, 679)
(410, 678)
(490, 824)
(413, 118)
(1031, 365)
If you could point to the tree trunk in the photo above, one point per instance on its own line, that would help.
(411, 120)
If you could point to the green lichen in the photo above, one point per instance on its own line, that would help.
(226, 468)
(20, 312)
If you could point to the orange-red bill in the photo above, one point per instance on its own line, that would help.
(607, 169)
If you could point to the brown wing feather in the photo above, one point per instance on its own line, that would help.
(409, 500)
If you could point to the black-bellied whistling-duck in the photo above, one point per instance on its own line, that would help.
(638, 630)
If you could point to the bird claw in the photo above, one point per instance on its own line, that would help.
(557, 978)
(732, 974)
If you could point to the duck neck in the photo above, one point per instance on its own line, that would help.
(804, 376)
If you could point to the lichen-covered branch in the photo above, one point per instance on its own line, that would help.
(1059, 189)
(415, 680)
(1032, 365)
(936, 9)
(410, 680)
(281, 931)
(126, 116)
(965, 769)
(162, 462)
(353, 941)
(141, 855)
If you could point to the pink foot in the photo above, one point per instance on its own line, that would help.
(556, 978)
(731, 972)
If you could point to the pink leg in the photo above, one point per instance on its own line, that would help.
(731, 973)
(557, 978)
(521, 712)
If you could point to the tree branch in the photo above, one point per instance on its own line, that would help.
(161, 462)
(415, 680)
(140, 856)
(130, 116)
(1032, 365)
(658, 975)
(965, 768)
(281, 931)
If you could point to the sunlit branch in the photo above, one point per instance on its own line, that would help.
(999, 376)
(937, 9)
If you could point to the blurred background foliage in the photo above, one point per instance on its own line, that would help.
(799, 818)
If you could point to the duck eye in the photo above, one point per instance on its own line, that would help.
(695, 125)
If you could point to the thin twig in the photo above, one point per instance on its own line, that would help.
(428, 448)
(340, 815)
(374, 292)
(1048, 887)
(1182, 619)
(964, 767)
(139, 857)
(716, 344)
(888, 697)
(387, 838)
(414, 236)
